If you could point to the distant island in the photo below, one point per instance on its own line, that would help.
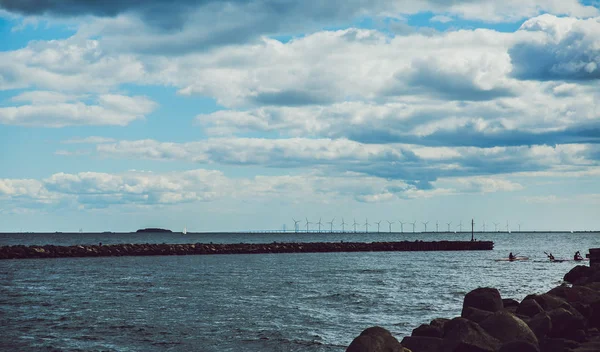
(150, 229)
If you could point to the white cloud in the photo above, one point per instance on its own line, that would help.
(111, 109)
(89, 140)
(441, 19)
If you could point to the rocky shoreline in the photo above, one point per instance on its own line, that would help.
(50, 251)
(564, 319)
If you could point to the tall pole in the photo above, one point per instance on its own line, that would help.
(472, 227)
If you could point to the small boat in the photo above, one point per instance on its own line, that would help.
(515, 259)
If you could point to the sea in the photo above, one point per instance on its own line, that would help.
(257, 302)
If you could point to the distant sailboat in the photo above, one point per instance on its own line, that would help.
(184, 231)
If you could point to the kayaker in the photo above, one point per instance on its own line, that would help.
(577, 256)
(551, 256)
(511, 256)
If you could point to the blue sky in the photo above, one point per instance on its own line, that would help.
(243, 115)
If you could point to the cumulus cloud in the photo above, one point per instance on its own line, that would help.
(558, 49)
(111, 109)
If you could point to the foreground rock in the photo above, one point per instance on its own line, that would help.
(565, 319)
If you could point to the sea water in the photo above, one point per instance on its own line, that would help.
(256, 302)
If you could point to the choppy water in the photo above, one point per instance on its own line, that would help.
(267, 302)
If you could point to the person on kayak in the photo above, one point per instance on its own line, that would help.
(511, 256)
(550, 256)
(577, 256)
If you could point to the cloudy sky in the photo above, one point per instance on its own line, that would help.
(244, 114)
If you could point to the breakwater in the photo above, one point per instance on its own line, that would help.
(50, 251)
(564, 319)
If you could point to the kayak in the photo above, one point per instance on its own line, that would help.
(516, 259)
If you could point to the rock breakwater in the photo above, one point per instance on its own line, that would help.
(51, 251)
(564, 319)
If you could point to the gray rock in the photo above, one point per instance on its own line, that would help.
(375, 339)
(507, 328)
(557, 345)
(484, 298)
(519, 346)
(565, 324)
(429, 331)
(461, 334)
(423, 343)
(540, 324)
(577, 273)
(476, 315)
(529, 307)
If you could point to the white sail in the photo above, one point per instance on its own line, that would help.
(184, 230)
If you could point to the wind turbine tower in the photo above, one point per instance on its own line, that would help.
(460, 226)
(413, 223)
(507, 227)
(437, 226)
(378, 223)
(366, 225)
(296, 224)
(331, 225)
(319, 223)
(496, 226)
(343, 223)
(519, 227)
(425, 224)
(307, 222)
(449, 223)
(355, 223)
(484, 226)
(401, 226)
(390, 225)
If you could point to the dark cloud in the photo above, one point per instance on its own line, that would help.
(469, 136)
(428, 77)
(576, 56)
(292, 98)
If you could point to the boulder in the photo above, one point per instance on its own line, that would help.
(509, 302)
(557, 345)
(423, 343)
(429, 331)
(484, 298)
(577, 273)
(439, 322)
(549, 302)
(529, 308)
(507, 328)
(565, 324)
(573, 294)
(519, 346)
(375, 339)
(540, 324)
(461, 334)
(474, 314)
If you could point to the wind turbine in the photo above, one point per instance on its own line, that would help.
(307, 222)
(437, 226)
(507, 227)
(296, 224)
(449, 223)
(366, 225)
(413, 223)
(319, 223)
(402, 226)
(484, 226)
(355, 223)
(425, 223)
(331, 224)
(459, 226)
(390, 225)
(378, 223)
(519, 227)
(496, 226)
(343, 223)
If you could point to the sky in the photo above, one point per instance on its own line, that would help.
(247, 114)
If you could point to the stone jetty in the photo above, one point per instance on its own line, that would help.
(564, 319)
(50, 251)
